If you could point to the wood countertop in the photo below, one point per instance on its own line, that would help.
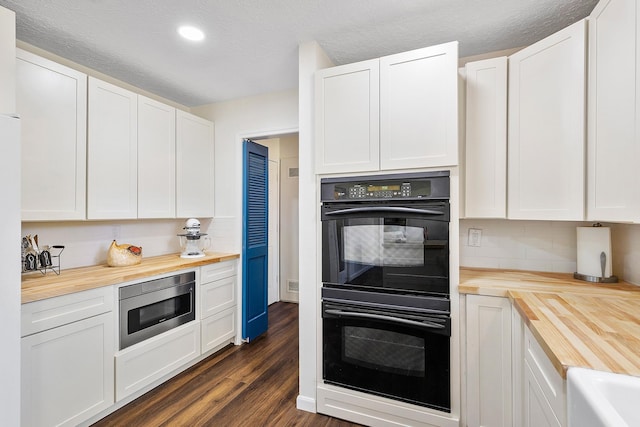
(36, 286)
(577, 323)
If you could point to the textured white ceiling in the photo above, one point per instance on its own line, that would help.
(252, 45)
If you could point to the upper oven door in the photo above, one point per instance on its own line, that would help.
(386, 246)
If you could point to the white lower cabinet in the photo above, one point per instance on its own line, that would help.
(488, 361)
(544, 390)
(218, 330)
(67, 372)
(510, 381)
(217, 305)
(146, 362)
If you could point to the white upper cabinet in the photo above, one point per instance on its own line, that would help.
(156, 159)
(546, 131)
(419, 108)
(194, 166)
(52, 103)
(112, 152)
(347, 122)
(395, 112)
(486, 139)
(613, 153)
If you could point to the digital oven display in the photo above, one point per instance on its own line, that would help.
(372, 188)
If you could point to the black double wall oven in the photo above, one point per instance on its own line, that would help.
(385, 297)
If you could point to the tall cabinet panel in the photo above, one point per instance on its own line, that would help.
(156, 159)
(489, 380)
(7, 61)
(546, 147)
(194, 166)
(347, 122)
(112, 152)
(486, 139)
(52, 103)
(614, 112)
(418, 108)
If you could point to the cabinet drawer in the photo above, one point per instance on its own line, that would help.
(218, 270)
(218, 329)
(52, 312)
(551, 383)
(140, 365)
(217, 296)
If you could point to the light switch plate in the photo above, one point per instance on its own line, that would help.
(475, 237)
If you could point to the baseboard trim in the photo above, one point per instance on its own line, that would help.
(305, 403)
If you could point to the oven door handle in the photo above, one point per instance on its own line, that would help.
(392, 209)
(424, 324)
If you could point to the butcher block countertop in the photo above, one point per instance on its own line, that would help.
(36, 287)
(577, 323)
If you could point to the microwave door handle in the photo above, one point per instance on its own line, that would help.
(391, 209)
(424, 324)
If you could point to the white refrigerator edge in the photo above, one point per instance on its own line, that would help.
(10, 284)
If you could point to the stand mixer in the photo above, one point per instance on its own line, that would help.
(193, 242)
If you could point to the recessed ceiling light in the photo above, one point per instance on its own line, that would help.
(191, 33)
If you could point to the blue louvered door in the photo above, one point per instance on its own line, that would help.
(254, 239)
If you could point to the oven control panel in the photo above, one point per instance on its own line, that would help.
(433, 185)
(369, 191)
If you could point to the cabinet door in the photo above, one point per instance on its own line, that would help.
(153, 359)
(488, 324)
(217, 296)
(486, 139)
(547, 128)
(613, 152)
(544, 389)
(419, 108)
(67, 372)
(156, 159)
(218, 330)
(52, 103)
(194, 167)
(537, 411)
(347, 118)
(112, 152)
(517, 362)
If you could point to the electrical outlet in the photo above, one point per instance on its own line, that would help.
(475, 237)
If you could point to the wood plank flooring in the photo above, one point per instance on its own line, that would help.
(254, 384)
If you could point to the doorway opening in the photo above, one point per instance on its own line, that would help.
(283, 216)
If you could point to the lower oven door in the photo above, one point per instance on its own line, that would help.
(397, 355)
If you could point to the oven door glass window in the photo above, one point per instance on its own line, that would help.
(387, 358)
(387, 252)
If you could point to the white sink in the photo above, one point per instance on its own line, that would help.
(602, 399)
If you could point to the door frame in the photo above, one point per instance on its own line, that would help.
(241, 136)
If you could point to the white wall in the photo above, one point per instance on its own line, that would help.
(270, 114)
(521, 245)
(86, 242)
(625, 248)
(311, 58)
(289, 218)
(544, 246)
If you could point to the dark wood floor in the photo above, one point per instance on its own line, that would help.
(254, 384)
